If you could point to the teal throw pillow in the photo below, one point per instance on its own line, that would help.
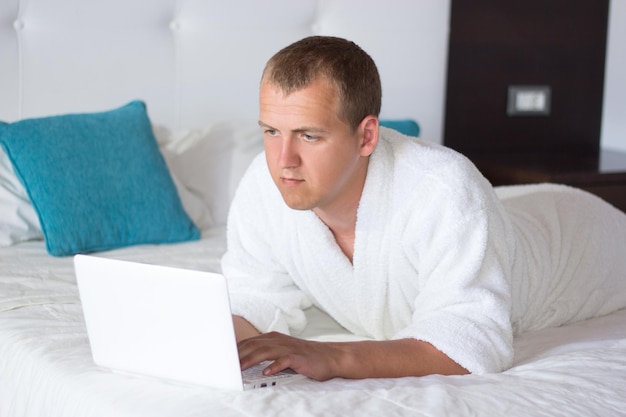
(407, 127)
(97, 180)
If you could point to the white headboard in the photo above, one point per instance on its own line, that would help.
(199, 61)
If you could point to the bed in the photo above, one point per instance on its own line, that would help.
(191, 69)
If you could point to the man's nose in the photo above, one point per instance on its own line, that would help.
(289, 155)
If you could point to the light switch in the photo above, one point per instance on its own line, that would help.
(528, 100)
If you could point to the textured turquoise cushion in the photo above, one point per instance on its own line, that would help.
(97, 181)
(407, 127)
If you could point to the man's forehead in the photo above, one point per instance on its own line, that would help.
(320, 81)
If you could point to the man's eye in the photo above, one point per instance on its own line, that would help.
(271, 132)
(308, 138)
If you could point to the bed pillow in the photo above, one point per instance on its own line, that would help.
(210, 161)
(97, 180)
(18, 220)
(200, 159)
(407, 127)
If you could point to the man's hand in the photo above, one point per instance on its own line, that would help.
(355, 360)
(314, 359)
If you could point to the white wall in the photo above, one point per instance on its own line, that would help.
(169, 57)
(614, 111)
(199, 61)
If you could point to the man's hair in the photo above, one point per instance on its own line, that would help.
(349, 68)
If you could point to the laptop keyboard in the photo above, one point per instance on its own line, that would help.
(255, 373)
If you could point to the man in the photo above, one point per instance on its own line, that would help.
(399, 240)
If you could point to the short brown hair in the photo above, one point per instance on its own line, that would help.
(342, 62)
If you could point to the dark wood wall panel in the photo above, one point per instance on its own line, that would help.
(498, 43)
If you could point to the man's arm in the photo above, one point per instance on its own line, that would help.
(243, 329)
(354, 360)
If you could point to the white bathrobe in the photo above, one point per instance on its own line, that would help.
(437, 256)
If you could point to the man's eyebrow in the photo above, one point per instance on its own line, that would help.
(300, 129)
(310, 129)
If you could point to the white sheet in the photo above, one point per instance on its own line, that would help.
(30, 276)
(46, 367)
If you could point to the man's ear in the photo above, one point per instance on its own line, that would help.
(369, 133)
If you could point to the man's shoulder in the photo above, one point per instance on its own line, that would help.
(423, 156)
(427, 170)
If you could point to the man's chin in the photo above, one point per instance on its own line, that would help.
(299, 207)
(297, 204)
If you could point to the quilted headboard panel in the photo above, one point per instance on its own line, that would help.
(198, 61)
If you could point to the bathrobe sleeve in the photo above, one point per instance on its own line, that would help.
(459, 245)
(260, 289)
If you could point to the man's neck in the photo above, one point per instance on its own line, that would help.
(341, 220)
(340, 215)
(342, 223)
(342, 226)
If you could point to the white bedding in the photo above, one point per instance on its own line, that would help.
(46, 367)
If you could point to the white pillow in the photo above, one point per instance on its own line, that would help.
(195, 208)
(248, 144)
(18, 219)
(210, 161)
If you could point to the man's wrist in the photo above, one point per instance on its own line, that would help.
(244, 329)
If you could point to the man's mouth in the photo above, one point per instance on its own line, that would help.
(290, 181)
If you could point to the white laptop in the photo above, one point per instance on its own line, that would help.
(164, 322)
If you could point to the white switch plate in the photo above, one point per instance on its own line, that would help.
(528, 100)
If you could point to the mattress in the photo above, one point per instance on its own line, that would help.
(46, 367)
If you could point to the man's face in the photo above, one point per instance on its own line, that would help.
(315, 160)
